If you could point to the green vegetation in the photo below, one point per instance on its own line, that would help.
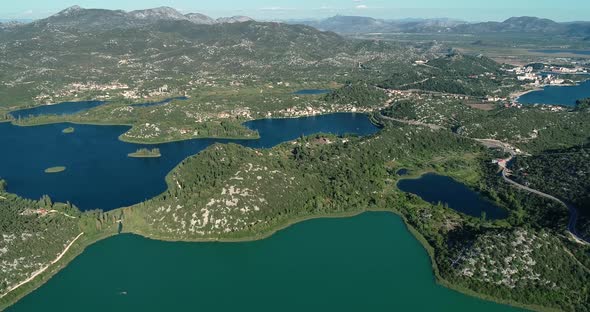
(229, 192)
(68, 130)
(456, 74)
(55, 169)
(532, 129)
(361, 95)
(562, 173)
(238, 72)
(34, 233)
(146, 153)
(583, 104)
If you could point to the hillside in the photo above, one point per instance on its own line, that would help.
(79, 52)
(520, 25)
(92, 19)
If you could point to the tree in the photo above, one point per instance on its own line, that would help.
(583, 104)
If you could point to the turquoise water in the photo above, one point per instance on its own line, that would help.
(366, 263)
(555, 95)
(100, 175)
(435, 188)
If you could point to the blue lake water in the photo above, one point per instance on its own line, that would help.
(556, 95)
(580, 52)
(312, 92)
(402, 172)
(100, 175)
(164, 102)
(66, 108)
(435, 188)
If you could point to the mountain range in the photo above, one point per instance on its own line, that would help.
(525, 24)
(88, 19)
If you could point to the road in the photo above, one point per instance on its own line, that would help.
(413, 122)
(38, 272)
(571, 227)
(573, 220)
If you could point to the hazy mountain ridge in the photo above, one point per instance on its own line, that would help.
(362, 24)
(524, 24)
(96, 19)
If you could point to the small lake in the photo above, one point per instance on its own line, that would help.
(65, 108)
(435, 188)
(559, 51)
(556, 95)
(312, 92)
(366, 263)
(402, 172)
(160, 103)
(100, 175)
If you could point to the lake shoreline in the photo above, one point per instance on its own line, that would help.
(40, 280)
(516, 96)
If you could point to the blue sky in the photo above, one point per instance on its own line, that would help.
(471, 10)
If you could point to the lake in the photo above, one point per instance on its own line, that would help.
(65, 108)
(435, 188)
(100, 175)
(556, 95)
(366, 263)
(312, 92)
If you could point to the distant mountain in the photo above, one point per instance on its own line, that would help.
(361, 24)
(201, 19)
(88, 19)
(234, 19)
(161, 13)
(525, 24)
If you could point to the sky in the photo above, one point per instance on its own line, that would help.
(468, 10)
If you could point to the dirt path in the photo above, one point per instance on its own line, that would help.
(38, 272)
(63, 213)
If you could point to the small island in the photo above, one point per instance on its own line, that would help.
(55, 169)
(146, 153)
(68, 130)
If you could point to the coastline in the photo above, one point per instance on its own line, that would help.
(515, 96)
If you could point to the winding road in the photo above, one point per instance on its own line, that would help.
(573, 220)
(571, 227)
